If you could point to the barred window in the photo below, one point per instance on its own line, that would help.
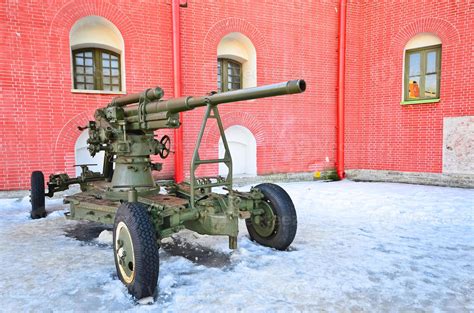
(96, 69)
(229, 75)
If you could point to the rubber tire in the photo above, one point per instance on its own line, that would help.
(37, 195)
(285, 213)
(147, 261)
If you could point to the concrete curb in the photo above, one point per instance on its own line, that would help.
(433, 179)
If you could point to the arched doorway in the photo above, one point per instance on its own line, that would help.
(243, 148)
(83, 156)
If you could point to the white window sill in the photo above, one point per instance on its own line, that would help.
(100, 92)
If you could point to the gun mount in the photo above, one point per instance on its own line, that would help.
(126, 195)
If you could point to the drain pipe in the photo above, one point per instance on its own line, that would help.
(178, 133)
(341, 90)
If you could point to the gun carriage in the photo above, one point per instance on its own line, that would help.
(125, 194)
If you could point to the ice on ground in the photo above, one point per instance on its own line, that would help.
(146, 301)
(359, 247)
(105, 237)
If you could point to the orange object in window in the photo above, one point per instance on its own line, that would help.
(414, 90)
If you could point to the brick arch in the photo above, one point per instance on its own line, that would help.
(73, 11)
(446, 31)
(67, 137)
(58, 52)
(247, 120)
(215, 34)
(229, 25)
(388, 71)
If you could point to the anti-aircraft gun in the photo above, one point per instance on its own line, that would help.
(126, 195)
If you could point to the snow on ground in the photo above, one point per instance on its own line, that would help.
(359, 247)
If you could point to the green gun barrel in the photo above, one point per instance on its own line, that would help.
(188, 103)
(150, 94)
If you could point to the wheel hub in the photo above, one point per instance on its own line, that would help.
(124, 252)
(264, 224)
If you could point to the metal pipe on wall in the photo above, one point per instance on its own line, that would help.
(341, 90)
(178, 133)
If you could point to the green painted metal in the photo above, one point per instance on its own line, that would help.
(422, 101)
(124, 129)
(264, 223)
(213, 113)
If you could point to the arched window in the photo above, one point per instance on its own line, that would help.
(422, 68)
(236, 63)
(97, 51)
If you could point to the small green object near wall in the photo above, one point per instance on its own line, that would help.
(425, 101)
(326, 175)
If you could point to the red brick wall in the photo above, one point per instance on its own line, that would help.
(292, 40)
(39, 113)
(381, 133)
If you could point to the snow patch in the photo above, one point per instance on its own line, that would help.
(105, 237)
(359, 247)
(146, 301)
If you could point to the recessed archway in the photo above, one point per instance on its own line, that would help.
(98, 32)
(418, 41)
(82, 155)
(243, 148)
(238, 47)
